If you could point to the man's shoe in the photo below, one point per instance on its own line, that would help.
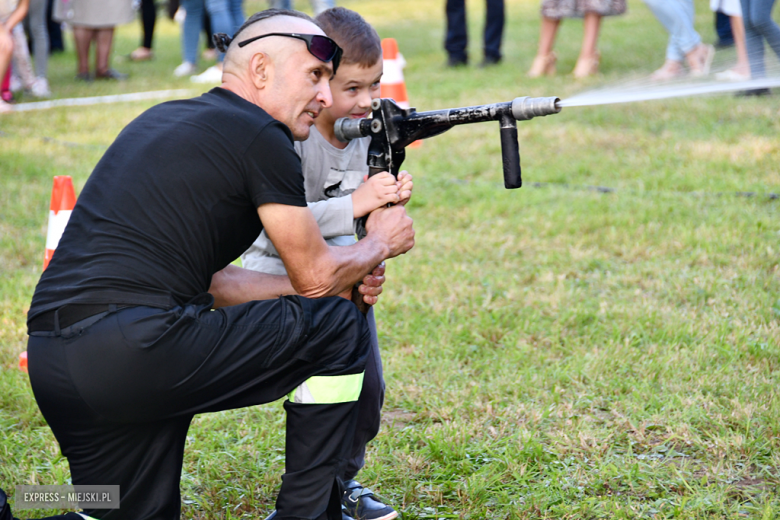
(361, 504)
(456, 61)
(489, 61)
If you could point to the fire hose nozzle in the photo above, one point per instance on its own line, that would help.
(525, 108)
(347, 129)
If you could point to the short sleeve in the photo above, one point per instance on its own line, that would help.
(274, 169)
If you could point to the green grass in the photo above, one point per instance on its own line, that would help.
(550, 352)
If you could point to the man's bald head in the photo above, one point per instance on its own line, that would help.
(266, 22)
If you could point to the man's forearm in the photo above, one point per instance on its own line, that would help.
(234, 285)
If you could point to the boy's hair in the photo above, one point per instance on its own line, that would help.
(359, 41)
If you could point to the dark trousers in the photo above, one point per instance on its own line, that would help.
(148, 20)
(119, 394)
(372, 397)
(457, 37)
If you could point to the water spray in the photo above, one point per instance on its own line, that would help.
(611, 96)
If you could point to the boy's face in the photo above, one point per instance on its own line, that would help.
(353, 88)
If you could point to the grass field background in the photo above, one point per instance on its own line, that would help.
(550, 352)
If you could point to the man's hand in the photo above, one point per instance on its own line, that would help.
(377, 191)
(391, 227)
(405, 186)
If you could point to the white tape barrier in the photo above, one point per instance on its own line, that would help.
(100, 100)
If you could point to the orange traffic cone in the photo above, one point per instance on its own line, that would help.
(23, 361)
(392, 84)
(63, 199)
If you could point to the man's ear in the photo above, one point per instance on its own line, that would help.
(260, 67)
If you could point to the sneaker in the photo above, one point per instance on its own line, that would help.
(5, 108)
(731, 75)
(210, 75)
(40, 88)
(361, 503)
(185, 69)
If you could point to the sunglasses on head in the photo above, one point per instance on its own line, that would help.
(321, 47)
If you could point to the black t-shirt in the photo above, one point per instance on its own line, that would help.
(172, 201)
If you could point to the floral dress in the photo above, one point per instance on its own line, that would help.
(577, 8)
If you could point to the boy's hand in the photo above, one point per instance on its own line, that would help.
(405, 186)
(369, 288)
(376, 192)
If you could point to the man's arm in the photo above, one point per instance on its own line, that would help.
(234, 285)
(317, 270)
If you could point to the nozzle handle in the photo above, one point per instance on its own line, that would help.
(510, 153)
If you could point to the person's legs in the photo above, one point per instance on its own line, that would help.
(456, 40)
(190, 31)
(754, 42)
(202, 361)
(494, 29)
(588, 60)
(761, 19)
(590, 38)
(236, 14)
(148, 21)
(83, 38)
(544, 62)
(372, 397)
(21, 57)
(40, 36)
(104, 38)
(221, 19)
(738, 29)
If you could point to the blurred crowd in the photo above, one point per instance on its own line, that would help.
(745, 24)
(35, 25)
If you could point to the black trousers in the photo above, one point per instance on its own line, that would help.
(456, 40)
(119, 394)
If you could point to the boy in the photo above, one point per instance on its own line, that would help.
(338, 193)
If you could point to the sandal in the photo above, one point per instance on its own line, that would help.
(587, 67)
(543, 66)
(141, 54)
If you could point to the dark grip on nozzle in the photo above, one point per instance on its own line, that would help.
(510, 153)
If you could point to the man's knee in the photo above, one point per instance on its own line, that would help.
(338, 333)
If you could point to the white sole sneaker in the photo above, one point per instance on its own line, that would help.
(211, 75)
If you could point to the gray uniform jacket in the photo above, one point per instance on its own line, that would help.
(331, 175)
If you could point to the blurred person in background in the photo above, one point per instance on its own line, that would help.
(40, 37)
(148, 20)
(740, 71)
(759, 26)
(11, 13)
(317, 6)
(456, 40)
(684, 42)
(94, 21)
(592, 11)
(226, 17)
